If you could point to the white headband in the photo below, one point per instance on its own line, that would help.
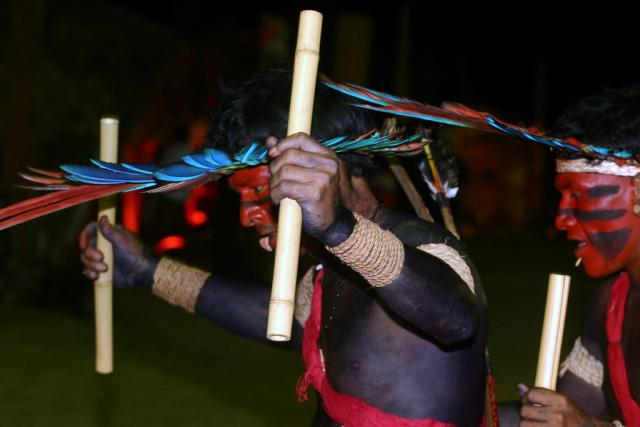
(606, 167)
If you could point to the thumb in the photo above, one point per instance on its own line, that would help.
(107, 229)
(522, 389)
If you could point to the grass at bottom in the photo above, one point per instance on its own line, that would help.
(171, 369)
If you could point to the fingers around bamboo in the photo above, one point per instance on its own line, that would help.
(300, 141)
(86, 235)
(307, 184)
(106, 228)
(534, 413)
(541, 396)
(326, 162)
(522, 389)
(93, 262)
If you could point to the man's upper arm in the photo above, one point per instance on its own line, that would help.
(436, 241)
(438, 282)
(582, 372)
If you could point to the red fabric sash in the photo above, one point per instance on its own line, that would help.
(344, 409)
(617, 368)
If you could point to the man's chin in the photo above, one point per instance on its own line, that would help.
(598, 270)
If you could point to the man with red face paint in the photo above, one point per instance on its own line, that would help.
(600, 211)
(255, 202)
(391, 320)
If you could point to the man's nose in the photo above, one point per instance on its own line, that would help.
(565, 218)
(250, 215)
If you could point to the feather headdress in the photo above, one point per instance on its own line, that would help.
(76, 184)
(459, 115)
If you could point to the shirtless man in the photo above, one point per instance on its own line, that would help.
(394, 334)
(600, 210)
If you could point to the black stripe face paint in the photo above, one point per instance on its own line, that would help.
(602, 191)
(610, 243)
(594, 215)
(600, 215)
(595, 211)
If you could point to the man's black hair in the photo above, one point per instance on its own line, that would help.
(259, 107)
(609, 119)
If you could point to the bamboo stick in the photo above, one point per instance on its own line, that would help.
(305, 70)
(409, 189)
(390, 126)
(552, 331)
(103, 286)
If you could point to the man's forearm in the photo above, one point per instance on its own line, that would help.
(239, 307)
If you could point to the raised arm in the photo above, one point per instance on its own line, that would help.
(418, 269)
(419, 285)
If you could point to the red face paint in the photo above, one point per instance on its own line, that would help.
(255, 200)
(596, 211)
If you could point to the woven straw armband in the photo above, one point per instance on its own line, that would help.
(453, 259)
(583, 365)
(178, 283)
(304, 294)
(376, 254)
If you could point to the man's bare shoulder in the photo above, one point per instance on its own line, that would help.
(415, 231)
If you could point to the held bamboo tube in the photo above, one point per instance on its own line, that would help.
(552, 331)
(103, 286)
(305, 70)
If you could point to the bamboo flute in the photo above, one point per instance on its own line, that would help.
(552, 331)
(103, 285)
(305, 70)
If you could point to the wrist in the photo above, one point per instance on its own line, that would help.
(376, 254)
(149, 271)
(341, 228)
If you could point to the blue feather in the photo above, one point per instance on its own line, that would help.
(176, 172)
(114, 167)
(86, 180)
(105, 175)
(140, 187)
(199, 160)
(141, 167)
(217, 157)
(420, 116)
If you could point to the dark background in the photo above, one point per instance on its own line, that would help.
(66, 63)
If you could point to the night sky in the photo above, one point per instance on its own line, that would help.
(491, 57)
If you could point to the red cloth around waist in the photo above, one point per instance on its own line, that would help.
(344, 409)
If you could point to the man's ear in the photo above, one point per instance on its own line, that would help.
(636, 187)
(636, 184)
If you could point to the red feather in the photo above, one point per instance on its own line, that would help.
(43, 205)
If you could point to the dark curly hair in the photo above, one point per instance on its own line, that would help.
(609, 119)
(259, 107)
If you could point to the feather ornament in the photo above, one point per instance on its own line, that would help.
(454, 114)
(76, 184)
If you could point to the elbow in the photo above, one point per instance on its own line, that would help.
(459, 328)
